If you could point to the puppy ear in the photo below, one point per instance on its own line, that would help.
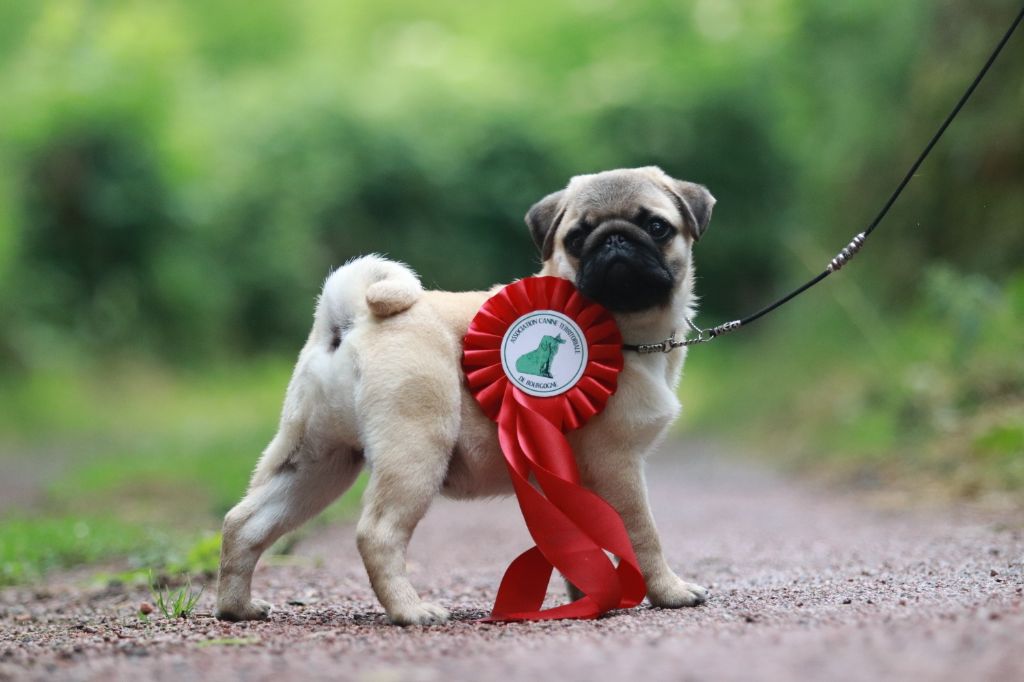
(542, 219)
(695, 203)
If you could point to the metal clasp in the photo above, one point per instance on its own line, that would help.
(700, 338)
(703, 336)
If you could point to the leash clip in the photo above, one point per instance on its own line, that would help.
(703, 336)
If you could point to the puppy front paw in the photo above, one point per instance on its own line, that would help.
(257, 609)
(675, 593)
(422, 613)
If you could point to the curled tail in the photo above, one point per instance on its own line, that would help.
(369, 284)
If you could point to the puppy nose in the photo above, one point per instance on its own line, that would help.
(615, 240)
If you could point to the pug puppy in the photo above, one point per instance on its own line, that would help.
(379, 383)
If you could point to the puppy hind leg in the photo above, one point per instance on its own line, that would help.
(394, 502)
(292, 491)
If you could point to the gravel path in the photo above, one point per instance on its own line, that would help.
(806, 584)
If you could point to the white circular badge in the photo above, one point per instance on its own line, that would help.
(544, 353)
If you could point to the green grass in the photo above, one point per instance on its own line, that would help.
(150, 462)
(833, 383)
(174, 602)
(30, 547)
(112, 403)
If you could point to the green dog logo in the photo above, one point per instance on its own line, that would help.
(538, 361)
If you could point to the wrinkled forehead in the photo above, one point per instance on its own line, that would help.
(617, 194)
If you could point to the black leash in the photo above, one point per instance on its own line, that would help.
(851, 249)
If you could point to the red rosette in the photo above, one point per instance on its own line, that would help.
(574, 529)
(481, 355)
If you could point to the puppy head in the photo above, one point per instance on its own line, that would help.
(623, 236)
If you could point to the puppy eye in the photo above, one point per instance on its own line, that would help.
(574, 242)
(657, 228)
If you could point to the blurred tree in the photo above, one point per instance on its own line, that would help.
(100, 215)
(178, 177)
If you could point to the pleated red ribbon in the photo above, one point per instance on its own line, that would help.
(574, 529)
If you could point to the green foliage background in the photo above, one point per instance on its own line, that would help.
(177, 178)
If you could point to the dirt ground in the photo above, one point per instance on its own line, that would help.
(806, 584)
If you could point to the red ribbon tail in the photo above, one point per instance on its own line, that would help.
(574, 528)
